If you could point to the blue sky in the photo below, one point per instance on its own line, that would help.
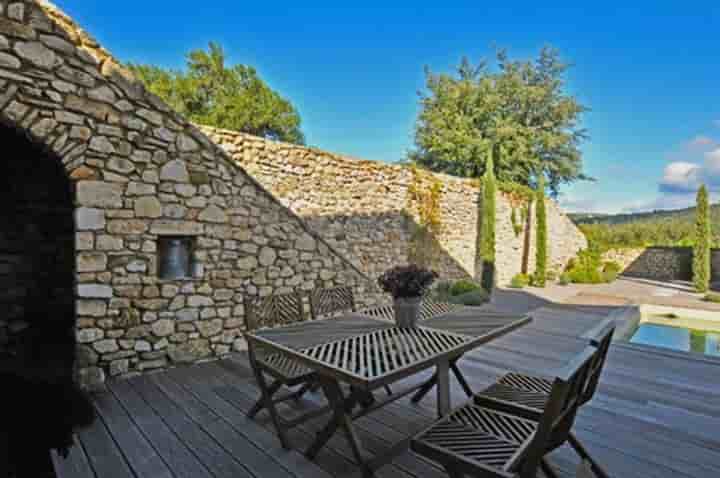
(650, 71)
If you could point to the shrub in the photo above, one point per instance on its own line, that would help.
(565, 278)
(701, 251)
(712, 297)
(610, 271)
(541, 235)
(407, 281)
(487, 225)
(585, 269)
(462, 286)
(520, 281)
(441, 290)
(473, 298)
(551, 275)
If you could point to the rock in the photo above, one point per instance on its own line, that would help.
(37, 54)
(176, 228)
(267, 256)
(186, 144)
(99, 194)
(109, 243)
(214, 214)
(99, 291)
(163, 328)
(119, 367)
(85, 356)
(148, 206)
(120, 165)
(91, 262)
(175, 171)
(92, 308)
(305, 243)
(89, 219)
(103, 93)
(106, 346)
(9, 61)
(86, 336)
(189, 351)
(199, 301)
(210, 328)
(143, 346)
(187, 315)
(101, 144)
(90, 378)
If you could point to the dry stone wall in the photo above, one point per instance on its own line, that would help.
(140, 172)
(361, 207)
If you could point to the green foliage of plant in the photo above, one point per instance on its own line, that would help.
(473, 298)
(211, 93)
(551, 275)
(486, 247)
(462, 286)
(610, 271)
(441, 290)
(565, 278)
(519, 281)
(521, 106)
(712, 297)
(701, 251)
(540, 235)
(423, 202)
(585, 268)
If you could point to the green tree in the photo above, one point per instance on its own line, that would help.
(487, 225)
(520, 105)
(701, 252)
(233, 97)
(540, 236)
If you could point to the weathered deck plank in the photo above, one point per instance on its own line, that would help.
(655, 415)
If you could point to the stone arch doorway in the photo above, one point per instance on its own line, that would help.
(37, 260)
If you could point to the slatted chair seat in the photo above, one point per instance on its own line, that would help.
(480, 436)
(291, 371)
(533, 400)
(528, 383)
(430, 308)
(480, 440)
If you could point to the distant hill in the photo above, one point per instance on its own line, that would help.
(654, 228)
(687, 214)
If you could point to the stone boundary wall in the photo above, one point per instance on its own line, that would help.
(660, 263)
(361, 208)
(139, 172)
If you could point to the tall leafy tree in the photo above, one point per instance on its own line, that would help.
(540, 235)
(487, 225)
(210, 92)
(701, 251)
(521, 105)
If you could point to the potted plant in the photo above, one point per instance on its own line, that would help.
(407, 285)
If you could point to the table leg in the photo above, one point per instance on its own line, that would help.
(443, 388)
(342, 408)
(461, 379)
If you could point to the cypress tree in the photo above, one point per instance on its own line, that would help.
(701, 251)
(540, 235)
(487, 222)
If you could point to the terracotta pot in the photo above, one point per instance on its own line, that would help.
(407, 311)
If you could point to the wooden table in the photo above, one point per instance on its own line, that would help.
(368, 354)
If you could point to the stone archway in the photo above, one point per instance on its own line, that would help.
(37, 260)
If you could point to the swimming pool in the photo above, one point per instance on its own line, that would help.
(685, 330)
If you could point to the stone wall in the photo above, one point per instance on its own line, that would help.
(656, 263)
(661, 263)
(362, 208)
(140, 172)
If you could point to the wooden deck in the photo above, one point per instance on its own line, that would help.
(657, 415)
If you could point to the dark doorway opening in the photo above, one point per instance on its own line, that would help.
(37, 307)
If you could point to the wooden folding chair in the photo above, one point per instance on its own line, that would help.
(479, 441)
(329, 302)
(527, 395)
(268, 312)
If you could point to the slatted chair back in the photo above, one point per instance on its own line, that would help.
(328, 302)
(559, 414)
(273, 311)
(602, 342)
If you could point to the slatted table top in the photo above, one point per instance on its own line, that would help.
(370, 353)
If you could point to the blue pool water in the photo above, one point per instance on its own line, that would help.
(678, 338)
